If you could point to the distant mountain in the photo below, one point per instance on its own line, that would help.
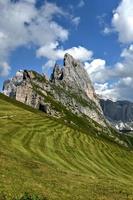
(119, 113)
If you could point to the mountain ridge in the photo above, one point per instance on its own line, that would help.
(119, 113)
(70, 85)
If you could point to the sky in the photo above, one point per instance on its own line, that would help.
(34, 34)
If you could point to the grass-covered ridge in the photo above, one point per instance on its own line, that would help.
(41, 156)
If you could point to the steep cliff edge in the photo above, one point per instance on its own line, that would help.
(69, 87)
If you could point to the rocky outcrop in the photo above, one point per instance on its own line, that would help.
(74, 89)
(10, 86)
(119, 113)
(57, 74)
(75, 77)
(69, 86)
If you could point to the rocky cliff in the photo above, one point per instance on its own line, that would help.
(119, 113)
(74, 77)
(69, 87)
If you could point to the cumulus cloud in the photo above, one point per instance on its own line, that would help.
(125, 68)
(53, 52)
(80, 53)
(106, 91)
(97, 70)
(119, 78)
(21, 23)
(123, 21)
(120, 90)
(114, 82)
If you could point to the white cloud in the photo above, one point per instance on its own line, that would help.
(80, 53)
(76, 21)
(106, 91)
(97, 70)
(114, 82)
(107, 30)
(120, 90)
(4, 69)
(123, 21)
(127, 81)
(49, 64)
(125, 68)
(21, 23)
(54, 53)
(127, 52)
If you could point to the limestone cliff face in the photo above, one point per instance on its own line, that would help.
(75, 77)
(77, 90)
(20, 88)
(69, 85)
(10, 86)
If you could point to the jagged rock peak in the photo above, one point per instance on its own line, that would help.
(68, 60)
(73, 76)
(76, 77)
(57, 73)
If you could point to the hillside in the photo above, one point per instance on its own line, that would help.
(43, 155)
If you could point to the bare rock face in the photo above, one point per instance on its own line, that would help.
(77, 78)
(69, 85)
(119, 113)
(76, 90)
(10, 86)
(74, 77)
(57, 73)
(20, 88)
(29, 97)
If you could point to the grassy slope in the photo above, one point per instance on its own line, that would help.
(41, 155)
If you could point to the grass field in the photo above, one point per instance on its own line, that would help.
(42, 156)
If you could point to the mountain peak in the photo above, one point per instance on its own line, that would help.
(74, 76)
(69, 85)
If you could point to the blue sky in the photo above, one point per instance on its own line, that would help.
(34, 34)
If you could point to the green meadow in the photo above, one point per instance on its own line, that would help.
(43, 156)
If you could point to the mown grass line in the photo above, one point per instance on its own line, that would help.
(41, 155)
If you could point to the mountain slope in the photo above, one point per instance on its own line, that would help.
(70, 86)
(119, 113)
(39, 154)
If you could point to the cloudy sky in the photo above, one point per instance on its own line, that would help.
(34, 34)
